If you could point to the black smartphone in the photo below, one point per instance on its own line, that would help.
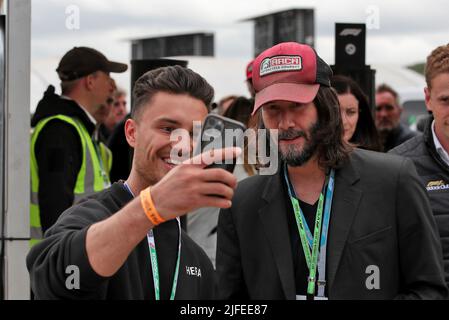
(219, 132)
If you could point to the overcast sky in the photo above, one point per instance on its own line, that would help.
(404, 33)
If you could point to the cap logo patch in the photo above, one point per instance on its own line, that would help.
(280, 64)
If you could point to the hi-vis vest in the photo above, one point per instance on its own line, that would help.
(92, 177)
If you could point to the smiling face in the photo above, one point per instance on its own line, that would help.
(149, 134)
(437, 101)
(297, 124)
(349, 110)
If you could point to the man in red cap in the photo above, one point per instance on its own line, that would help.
(335, 222)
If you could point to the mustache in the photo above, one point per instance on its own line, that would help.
(291, 134)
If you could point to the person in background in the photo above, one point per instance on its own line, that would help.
(202, 223)
(100, 117)
(67, 162)
(388, 114)
(102, 133)
(358, 123)
(240, 110)
(430, 151)
(224, 104)
(117, 113)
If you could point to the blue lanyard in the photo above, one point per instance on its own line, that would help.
(299, 216)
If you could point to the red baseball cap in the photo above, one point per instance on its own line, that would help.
(249, 70)
(289, 71)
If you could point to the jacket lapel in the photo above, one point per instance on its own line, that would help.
(344, 207)
(275, 225)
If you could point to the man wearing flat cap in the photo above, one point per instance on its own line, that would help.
(67, 161)
(334, 222)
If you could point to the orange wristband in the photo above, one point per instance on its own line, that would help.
(148, 207)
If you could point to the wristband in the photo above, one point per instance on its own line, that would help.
(148, 207)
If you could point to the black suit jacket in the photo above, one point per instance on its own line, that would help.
(380, 217)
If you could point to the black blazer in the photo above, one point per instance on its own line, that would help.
(380, 216)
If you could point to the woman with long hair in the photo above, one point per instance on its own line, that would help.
(359, 127)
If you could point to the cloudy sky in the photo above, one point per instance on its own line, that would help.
(399, 32)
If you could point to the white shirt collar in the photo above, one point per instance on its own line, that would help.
(92, 119)
(441, 151)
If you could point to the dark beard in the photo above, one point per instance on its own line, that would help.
(295, 158)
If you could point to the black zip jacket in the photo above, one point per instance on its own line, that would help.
(434, 174)
(58, 154)
(65, 245)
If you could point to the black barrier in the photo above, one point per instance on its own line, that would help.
(365, 78)
(350, 52)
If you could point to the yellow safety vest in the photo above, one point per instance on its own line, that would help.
(92, 177)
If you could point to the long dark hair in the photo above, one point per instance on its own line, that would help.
(365, 135)
(240, 110)
(333, 151)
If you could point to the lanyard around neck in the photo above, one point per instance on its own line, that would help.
(313, 243)
(153, 259)
(154, 264)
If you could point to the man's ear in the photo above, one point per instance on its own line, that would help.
(427, 99)
(89, 82)
(131, 132)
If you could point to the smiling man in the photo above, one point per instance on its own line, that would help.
(333, 223)
(126, 242)
(430, 152)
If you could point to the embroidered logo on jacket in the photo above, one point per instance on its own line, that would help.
(437, 185)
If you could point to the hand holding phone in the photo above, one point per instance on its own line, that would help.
(220, 132)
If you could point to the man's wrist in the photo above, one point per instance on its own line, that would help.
(149, 207)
